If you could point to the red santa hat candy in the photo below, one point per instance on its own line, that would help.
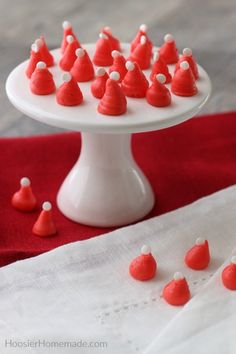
(102, 55)
(168, 50)
(82, 69)
(98, 86)
(67, 31)
(160, 67)
(114, 42)
(24, 199)
(69, 93)
(229, 275)
(158, 94)
(142, 32)
(41, 81)
(142, 54)
(69, 56)
(35, 57)
(143, 267)
(177, 292)
(188, 56)
(44, 225)
(134, 83)
(198, 257)
(118, 64)
(183, 82)
(47, 57)
(113, 102)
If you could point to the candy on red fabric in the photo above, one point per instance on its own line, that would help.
(35, 57)
(142, 53)
(118, 64)
(69, 93)
(47, 57)
(114, 42)
(24, 199)
(102, 55)
(134, 83)
(69, 56)
(168, 50)
(82, 69)
(158, 94)
(229, 275)
(188, 56)
(98, 86)
(44, 225)
(142, 32)
(183, 82)
(113, 102)
(160, 67)
(143, 267)
(198, 257)
(41, 81)
(67, 31)
(177, 292)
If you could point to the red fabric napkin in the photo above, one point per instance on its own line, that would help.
(183, 163)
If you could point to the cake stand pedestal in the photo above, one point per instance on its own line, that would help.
(105, 187)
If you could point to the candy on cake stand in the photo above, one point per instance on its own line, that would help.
(105, 187)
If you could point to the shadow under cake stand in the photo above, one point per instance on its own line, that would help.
(105, 187)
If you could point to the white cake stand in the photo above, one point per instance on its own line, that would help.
(105, 187)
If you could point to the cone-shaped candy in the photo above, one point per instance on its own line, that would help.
(69, 93)
(47, 57)
(188, 56)
(142, 54)
(114, 42)
(98, 86)
(41, 81)
(82, 69)
(118, 64)
(102, 55)
(143, 267)
(229, 275)
(142, 32)
(183, 82)
(134, 83)
(68, 31)
(24, 199)
(113, 102)
(158, 94)
(69, 56)
(198, 257)
(44, 225)
(177, 292)
(168, 50)
(35, 57)
(160, 67)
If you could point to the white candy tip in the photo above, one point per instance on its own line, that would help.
(115, 53)
(70, 39)
(129, 65)
(161, 78)
(103, 36)
(66, 24)
(145, 249)
(25, 182)
(184, 65)
(39, 42)
(80, 52)
(200, 241)
(143, 39)
(168, 38)
(156, 56)
(35, 47)
(47, 206)
(178, 276)
(187, 52)
(233, 260)
(100, 72)
(114, 75)
(66, 77)
(143, 28)
(41, 65)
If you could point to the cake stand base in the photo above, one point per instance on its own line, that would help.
(105, 187)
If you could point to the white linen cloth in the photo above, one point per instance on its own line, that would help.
(82, 291)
